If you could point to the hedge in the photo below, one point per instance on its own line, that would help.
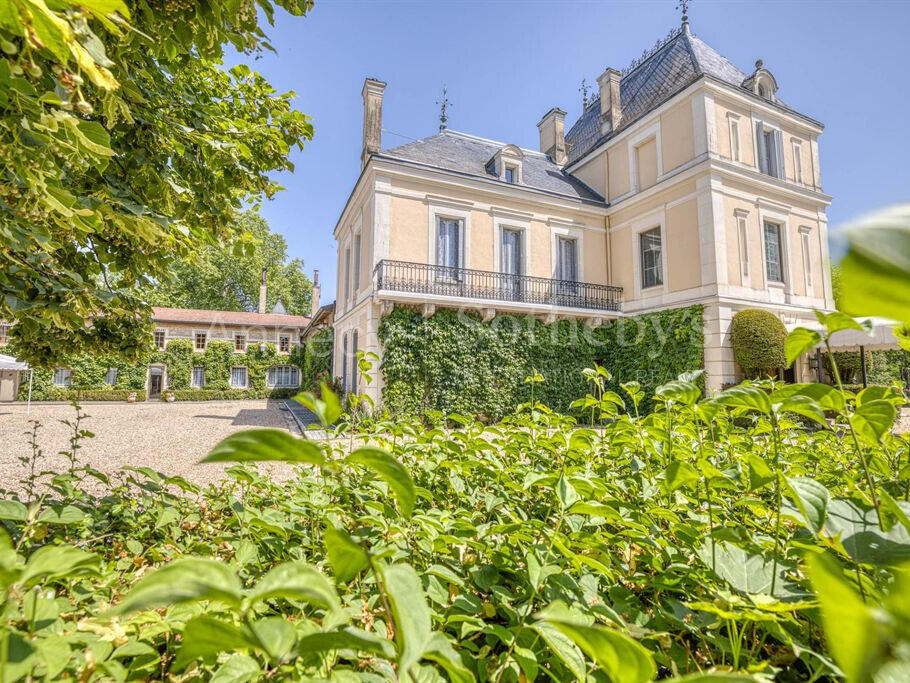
(758, 342)
(230, 394)
(58, 394)
(89, 372)
(882, 367)
(453, 362)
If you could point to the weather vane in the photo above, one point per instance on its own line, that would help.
(683, 5)
(444, 105)
(584, 93)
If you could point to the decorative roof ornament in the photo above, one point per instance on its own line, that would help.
(657, 46)
(683, 6)
(584, 93)
(444, 105)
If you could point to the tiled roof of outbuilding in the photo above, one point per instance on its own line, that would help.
(207, 317)
(679, 61)
(467, 154)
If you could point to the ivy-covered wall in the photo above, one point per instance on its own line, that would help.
(89, 374)
(453, 362)
(317, 360)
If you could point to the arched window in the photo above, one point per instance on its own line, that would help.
(762, 92)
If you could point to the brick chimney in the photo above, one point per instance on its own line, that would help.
(552, 129)
(610, 103)
(372, 118)
(262, 292)
(317, 291)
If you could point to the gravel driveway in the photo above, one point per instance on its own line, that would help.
(167, 437)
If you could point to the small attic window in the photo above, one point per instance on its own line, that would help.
(511, 174)
(762, 92)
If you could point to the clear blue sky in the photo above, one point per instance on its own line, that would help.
(506, 63)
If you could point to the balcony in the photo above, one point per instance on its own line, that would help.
(500, 288)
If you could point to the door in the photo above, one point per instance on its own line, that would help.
(511, 265)
(8, 385)
(155, 380)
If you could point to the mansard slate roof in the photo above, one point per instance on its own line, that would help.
(469, 155)
(679, 61)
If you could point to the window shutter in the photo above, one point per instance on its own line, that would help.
(779, 153)
(762, 151)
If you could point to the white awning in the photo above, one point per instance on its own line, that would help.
(10, 363)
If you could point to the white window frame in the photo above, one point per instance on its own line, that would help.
(742, 236)
(246, 377)
(107, 376)
(641, 266)
(735, 141)
(193, 383)
(67, 379)
(781, 228)
(522, 225)
(292, 370)
(242, 335)
(768, 126)
(576, 234)
(357, 243)
(796, 146)
(644, 224)
(513, 168)
(805, 243)
(454, 210)
(344, 361)
(284, 336)
(4, 334)
(355, 370)
(205, 345)
(347, 273)
(163, 332)
(643, 137)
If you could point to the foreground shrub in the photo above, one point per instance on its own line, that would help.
(758, 338)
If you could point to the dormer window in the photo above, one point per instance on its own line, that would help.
(506, 164)
(762, 83)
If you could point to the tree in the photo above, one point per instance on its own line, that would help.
(125, 146)
(758, 339)
(225, 277)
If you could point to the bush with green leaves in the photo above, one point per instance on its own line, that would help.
(453, 362)
(757, 337)
(712, 539)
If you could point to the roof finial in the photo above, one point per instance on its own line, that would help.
(683, 6)
(584, 93)
(444, 105)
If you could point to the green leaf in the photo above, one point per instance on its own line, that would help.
(679, 474)
(275, 635)
(440, 650)
(873, 419)
(759, 472)
(875, 273)
(744, 571)
(295, 580)
(183, 580)
(565, 492)
(837, 321)
(745, 396)
(349, 638)
(410, 612)
(204, 636)
(812, 500)
(827, 397)
(347, 557)
(237, 669)
(382, 463)
(254, 445)
(893, 510)
(803, 405)
(563, 647)
(52, 562)
(853, 634)
(13, 510)
(624, 660)
(686, 393)
(861, 536)
(327, 409)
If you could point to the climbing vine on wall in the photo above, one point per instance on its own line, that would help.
(454, 362)
(90, 372)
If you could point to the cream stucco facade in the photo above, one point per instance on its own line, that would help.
(731, 229)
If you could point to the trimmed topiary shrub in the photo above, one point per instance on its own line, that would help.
(758, 342)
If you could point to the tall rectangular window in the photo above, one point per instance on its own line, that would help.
(774, 264)
(110, 378)
(284, 343)
(4, 334)
(63, 377)
(347, 274)
(770, 154)
(283, 376)
(354, 373)
(356, 263)
(743, 235)
(652, 273)
(448, 246)
(200, 338)
(238, 378)
(566, 259)
(159, 339)
(511, 174)
(734, 139)
(344, 362)
(198, 377)
(797, 161)
(239, 343)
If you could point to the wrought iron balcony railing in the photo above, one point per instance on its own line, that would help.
(466, 283)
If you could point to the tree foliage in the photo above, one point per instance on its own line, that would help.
(225, 278)
(758, 342)
(124, 145)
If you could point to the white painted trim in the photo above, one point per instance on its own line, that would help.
(642, 224)
(290, 343)
(735, 135)
(805, 233)
(246, 375)
(742, 238)
(767, 214)
(636, 141)
(234, 336)
(382, 219)
(163, 330)
(206, 333)
(193, 384)
(441, 209)
(796, 149)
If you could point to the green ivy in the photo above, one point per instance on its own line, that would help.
(454, 362)
(317, 359)
(882, 367)
(89, 373)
